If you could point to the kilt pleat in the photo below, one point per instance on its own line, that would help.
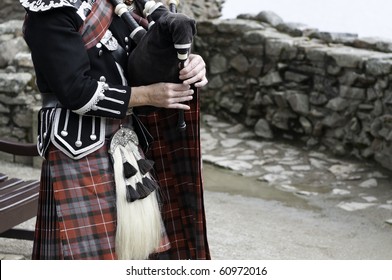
(47, 233)
(177, 157)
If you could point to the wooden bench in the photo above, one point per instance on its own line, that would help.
(18, 198)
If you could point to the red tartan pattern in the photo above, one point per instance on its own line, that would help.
(96, 23)
(177, 159)
(84, 218)
(85, 198)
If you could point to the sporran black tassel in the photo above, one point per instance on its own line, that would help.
(150, 184)
(145, 165)
(129, 170)
(132, 194)
(142, 190)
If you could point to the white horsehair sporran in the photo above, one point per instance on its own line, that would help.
(139, 222)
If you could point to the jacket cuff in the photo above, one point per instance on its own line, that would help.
(107, 101)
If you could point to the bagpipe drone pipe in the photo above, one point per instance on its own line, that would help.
(176, 146)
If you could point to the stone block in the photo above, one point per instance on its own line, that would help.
(299, 102)
(263, 129)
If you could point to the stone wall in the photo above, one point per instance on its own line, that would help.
(17, 88)
(11, 9)
(19, 98)
(327, 90)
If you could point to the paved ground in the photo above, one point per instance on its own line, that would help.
(268, 200)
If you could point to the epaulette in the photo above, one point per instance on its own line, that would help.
(45, 5)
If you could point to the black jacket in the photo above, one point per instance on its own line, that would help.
(87, 84)
(66, 69)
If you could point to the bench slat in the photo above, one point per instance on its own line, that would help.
(18, 198)
(17, 187)
(3, 177)
(15, 201)
(10, 183)
(16, 233)
(20, 149)
(18, 214)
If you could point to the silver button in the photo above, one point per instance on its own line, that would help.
(100, 52)
(127, 47)
(102, 79)
(126, 39)
(99, 45)
(78, 143)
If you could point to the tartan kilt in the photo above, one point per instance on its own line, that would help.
(177, 157)
(77, 215)
(77, 208)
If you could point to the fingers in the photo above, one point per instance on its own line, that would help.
(196, 76)
(202, 83)
(178, 91)
(172, 95)
(194, 71)
(192, 67)
(176, 102)
(178, 105)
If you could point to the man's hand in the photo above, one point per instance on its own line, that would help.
(164, 95)
(194, 71)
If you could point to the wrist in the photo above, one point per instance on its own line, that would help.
(138, 96)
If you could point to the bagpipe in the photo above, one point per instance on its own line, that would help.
(163, 48)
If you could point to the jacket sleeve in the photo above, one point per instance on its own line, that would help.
(63, 66)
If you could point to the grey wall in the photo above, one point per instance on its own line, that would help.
(328, 91)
